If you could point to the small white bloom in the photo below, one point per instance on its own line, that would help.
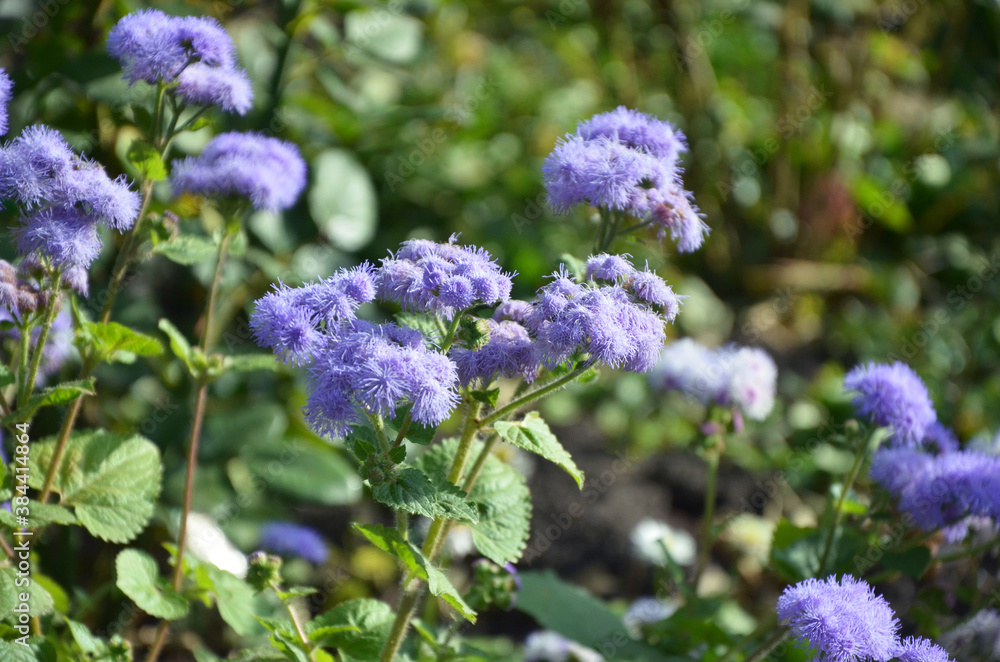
(650, 537)
(645, 611)
(209, 544)
(548, 646)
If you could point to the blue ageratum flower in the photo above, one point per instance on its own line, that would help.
(892, 396)
(626, 161)
(6, 90)
(267, 171)
(63, 199)
(840, 620)
(195, 54)
(921, 650)
(287, 538)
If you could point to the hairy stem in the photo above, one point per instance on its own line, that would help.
(51, 308)
(299, 630)
(531, 396)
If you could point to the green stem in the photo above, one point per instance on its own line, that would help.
(838, 510)
(192, 457)
(24, 350)
(477, 466)
(403, 429)
(407, 606)
(602, 231)
(51, 307)
(299, 630)
(403, 524)
(531, 396)
(449, 336)
(713, 454)
(379, 426)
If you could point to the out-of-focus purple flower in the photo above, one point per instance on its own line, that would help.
(893, 396)
(267, 171)
(6, 90)
(840, 620)
(626, 161)
(940, 438)
(941, 491)
(196, 53)
(377, 368)
(443, 279)
(741, 377)
(977, 638)
(921, 650)
(287, 538)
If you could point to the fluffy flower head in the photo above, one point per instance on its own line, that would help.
(294, 540)
(894, 396)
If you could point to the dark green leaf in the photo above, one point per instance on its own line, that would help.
(413, 492)
(533, 434)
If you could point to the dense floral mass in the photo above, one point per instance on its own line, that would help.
(893, 396)
(626, 161)
(732, 376)
(267, 171)
(195, 53)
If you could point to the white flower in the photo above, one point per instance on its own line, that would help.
(645, 611)
(207, 543)
(547, 646)
(651, 537)
(752, 378)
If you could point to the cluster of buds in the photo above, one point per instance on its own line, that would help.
(21, 297)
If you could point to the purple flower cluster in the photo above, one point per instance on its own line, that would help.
(294, 540)
(63, 199)
(616, 317)
(893, 396)
(268, 171)
(741, 377)
(6, 89)
(378, 368)
(626, 161)
(195, 54)
(443, 279)
(845, 621)
(952, 490)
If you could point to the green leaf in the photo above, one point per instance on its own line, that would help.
(423, 323)
(115, 342)
(262, 654)
(313, 472)
(488, 398)
(40, 603)
(61, 394)
(342, 199)
(139, 579)
(533, 434)
(179, 345)
(6, 376)
(795, 551)
(366, 626)
(147, 160)
(389, 540)
(413, 492)
(39, 515)
(87, 642)
(37, 650)
(250, 362)
(502, 497)
(111, 481)
(186, 249)
(577, 615)
(233, 597)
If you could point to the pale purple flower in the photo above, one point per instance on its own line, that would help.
(66, 236)
(6, 91)
(509, 352)
(921, 650)
(840, 620)
(291, 539)
(892, 396)
(204, 85)
(267, 171)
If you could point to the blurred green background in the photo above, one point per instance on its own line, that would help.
(845, 155)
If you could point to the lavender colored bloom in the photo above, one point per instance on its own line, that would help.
(940, 438)
(64, 235)
(508, 352)
(268, 171)
(609, 267)
(741, 377)
(626, 161)
(443, 279)
(513, 310)
(921, 650)
(377, 368)
(840, 621)
(196, 53)
(6, 91)
(892, 396)
(295, 540)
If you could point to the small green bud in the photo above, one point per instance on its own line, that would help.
(264, 571)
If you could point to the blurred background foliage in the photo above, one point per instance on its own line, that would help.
(845, 155)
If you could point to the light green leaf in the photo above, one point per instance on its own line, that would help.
(413, 492)
(532, 434)
(40, 603)
(39, 515)
(366, 626)
(139, 579)
(87, 642)
(146, 160)
(111, 481)
(502, 497)
(250, 362)
(342, 199)
(394, 37)
(389, 540)
(234, 598)
(296, 467)
(115, 342)
(61, 394)
(6, 376)
(186, 249)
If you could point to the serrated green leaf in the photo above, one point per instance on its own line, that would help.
(250, 362)
(40, 603)
(398, 454)
(138, 577)
(39, 515)
(500, 494)
(111, 481)
(533, 434)
(233, 597)
(178, 343)
(487, 397)
(413, 492)
(146, 160)
(61, 394)
(112, 341)
(186, 249)
(389, 540)
(87, 642)
(367, 624)
(37, 650)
